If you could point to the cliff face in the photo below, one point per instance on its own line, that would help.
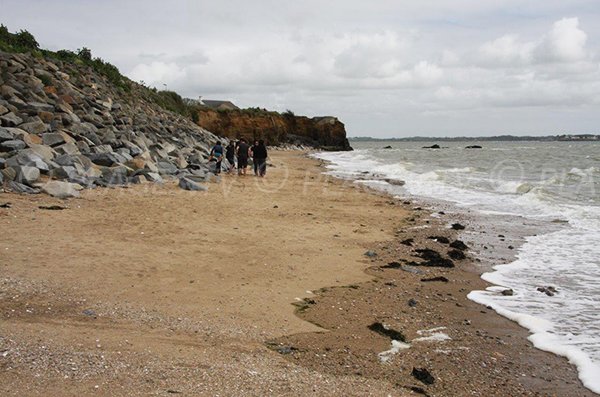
(327, 133)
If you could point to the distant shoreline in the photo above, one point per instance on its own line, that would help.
(499, 138)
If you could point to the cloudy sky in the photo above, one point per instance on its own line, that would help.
(384, 67)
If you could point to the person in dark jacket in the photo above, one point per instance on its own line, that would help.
(242, 156)
(260, 158)
(230, 156)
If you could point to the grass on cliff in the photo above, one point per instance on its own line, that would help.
(25, 42)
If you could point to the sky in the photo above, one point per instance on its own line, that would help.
(385, 68)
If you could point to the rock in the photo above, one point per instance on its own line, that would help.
(34, 127)
(370, 254)
(435, 146)
(423, 375)
(188, 184)
(473, 147)
(61, 189)
(459, 245)
(387, 147)
(20, 188)
(53, 139)
(12, 145)
(67, 148)
(456, 254)
(166, 168)
(408, 241)
(550, 291)
(412, 302)
(432, 259)
(153, 177)
(106, 159)
(10, 120)
(29, 158)
(457, 226)
(440, 239)
(438, 278)
(64, 172)
(395, 182)
(115, 175)
(27, 175)
(5, 135)
(9, 173)
(386, 331)
(508, 292)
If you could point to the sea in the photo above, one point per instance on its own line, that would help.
(544, 194)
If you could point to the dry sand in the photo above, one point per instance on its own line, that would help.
(154, 290)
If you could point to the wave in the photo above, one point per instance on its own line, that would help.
(567, 324)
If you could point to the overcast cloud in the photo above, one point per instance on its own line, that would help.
(385, 68)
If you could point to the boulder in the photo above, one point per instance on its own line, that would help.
(9, 146)
(34, 127)
(64, 172)
(61, 189)
(5, 135)
(45, 152)
(106, 159)
(167, 168)
(187, 184)
(10, 120)
(9, 173)
(53, 139)
(435, 146)
(27, 157)
(67, 148)
(40, 107)
(115, 175)
(20, 188)
(473, 147)
(27, 175)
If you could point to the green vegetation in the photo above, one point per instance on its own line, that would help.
(25, 42)
(22, 41)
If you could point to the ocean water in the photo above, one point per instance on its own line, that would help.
(556, 184)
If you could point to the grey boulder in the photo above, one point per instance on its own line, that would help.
(27, 175)
(188, 184)
(61, 189)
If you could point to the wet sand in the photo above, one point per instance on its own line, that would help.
(154, 290)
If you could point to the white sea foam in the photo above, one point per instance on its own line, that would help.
(567, 323)
(397, 346)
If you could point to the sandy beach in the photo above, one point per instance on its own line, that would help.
(255, 287)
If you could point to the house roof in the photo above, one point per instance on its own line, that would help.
(216, 104)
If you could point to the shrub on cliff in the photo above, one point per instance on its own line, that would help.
(22, 41)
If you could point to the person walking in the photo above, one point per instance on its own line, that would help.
(242, 156)
(217, 153)
(254, 162)
(230, 156)
(260, 158)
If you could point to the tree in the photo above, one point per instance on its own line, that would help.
(24, 39)
(85, 54)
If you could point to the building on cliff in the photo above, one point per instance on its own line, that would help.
(218, 105)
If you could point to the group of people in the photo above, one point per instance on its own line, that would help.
(241, 151)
